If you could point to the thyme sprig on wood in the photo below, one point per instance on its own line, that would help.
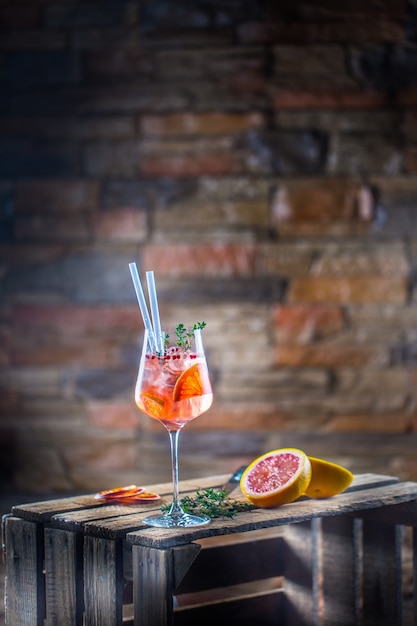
(212, 503)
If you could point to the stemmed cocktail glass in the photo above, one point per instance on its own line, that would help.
(173, 387)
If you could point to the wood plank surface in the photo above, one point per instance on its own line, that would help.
(153, 586)
(63, 578)
(345, 503)
(25, 587)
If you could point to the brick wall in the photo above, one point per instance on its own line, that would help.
(261, 158)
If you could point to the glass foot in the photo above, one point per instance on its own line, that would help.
(182, 520)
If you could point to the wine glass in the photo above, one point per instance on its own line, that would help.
(173, 387)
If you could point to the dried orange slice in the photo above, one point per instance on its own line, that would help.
(194, 381)
(119, 492)
(141, 498)
(327, 479)
(276, 477)
(155, 404)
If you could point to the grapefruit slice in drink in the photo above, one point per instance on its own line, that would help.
(276, 477)
(155, 404)
(327, 479)
(194, 381)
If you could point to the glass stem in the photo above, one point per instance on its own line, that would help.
(176, 508)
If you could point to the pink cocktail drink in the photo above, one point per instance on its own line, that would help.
(173, 387)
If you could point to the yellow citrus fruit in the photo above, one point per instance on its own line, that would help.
(327, 479)
(193, 382)
(276, 477)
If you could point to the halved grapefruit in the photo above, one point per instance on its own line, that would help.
(276, 477)
(327, 479)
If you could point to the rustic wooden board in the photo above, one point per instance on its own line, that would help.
(63, 578)
(153, 586)
(45, 510)
(345, 503)
(25, 586)
(114, 521)
(103, 582)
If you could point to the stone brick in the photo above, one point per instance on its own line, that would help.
(128, 225)
(44, 228)
(345, 31)
(99, 453)
(71, 318)
(388, 259)
(122, 62)
(286, 152)
(329, 98)
(306, 62)
(329, 355)
(83, 276)
(335, 121)
(285, 259)
(297, 324)
(222, 260)
(211, 156)
(352, 154)
(201, 124)
(349, 290)
(387, 389)
(111, 158)
(56, 196)
(177, 165)
(321, 200)
(178, 221)
(116, 415)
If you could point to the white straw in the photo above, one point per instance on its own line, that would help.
(142, 304)
(154, 310)
(198, 342)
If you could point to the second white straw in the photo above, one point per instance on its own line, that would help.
(155, 311)
(142, 304)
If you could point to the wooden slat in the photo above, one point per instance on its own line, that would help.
(25, 585)
(261, 610)
(300, 574)
(103, 582)
(64, 578)
(382, 580)
(415, 575)
(153, 586)
(347, 502)
(339, 572)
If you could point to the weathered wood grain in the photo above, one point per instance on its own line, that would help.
(103, 582)
(25, 586)
(63, 578)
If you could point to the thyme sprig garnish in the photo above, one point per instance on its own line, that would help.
(184, 335)
(212, 503)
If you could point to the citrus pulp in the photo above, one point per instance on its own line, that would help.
(276, 477)
(193, 382)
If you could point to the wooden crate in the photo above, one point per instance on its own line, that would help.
(78, 562)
